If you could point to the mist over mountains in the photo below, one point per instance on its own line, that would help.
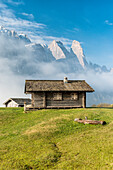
(19, 47)
(21, 59)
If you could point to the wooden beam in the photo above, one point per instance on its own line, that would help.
(44, 100)
(84, 100)
(93, 122)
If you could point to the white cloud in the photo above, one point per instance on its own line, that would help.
(2, 5)
(9, 20)
(35, 31)
(65, 41)
(30, 16)
(41, 38)
(19, 23)
(76, 29)
(108, 23)
(15, 2)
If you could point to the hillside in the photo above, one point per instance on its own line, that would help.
(50, 139)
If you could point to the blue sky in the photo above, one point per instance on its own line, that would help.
(88, 21)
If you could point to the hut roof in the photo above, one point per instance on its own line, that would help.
(56, 85)
(19, 101)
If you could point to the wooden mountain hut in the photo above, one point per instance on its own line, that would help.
(57, 93)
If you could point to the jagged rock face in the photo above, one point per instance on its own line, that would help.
(13, 34)
(68, 60)
(58, 50)
(78, 51)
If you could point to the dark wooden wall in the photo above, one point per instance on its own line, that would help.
(37, 99)
(46, 100)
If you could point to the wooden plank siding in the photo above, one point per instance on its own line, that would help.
(46, 100)
(38, 99)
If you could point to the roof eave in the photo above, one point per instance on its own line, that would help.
(27, 92)
(7, 101)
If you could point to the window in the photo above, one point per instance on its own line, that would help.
(57, 96)
(74, 96)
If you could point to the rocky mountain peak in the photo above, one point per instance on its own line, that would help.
(58, 50)
(13, 34)
(78, 51)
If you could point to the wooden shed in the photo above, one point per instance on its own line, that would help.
(17, 102)
(57, 93)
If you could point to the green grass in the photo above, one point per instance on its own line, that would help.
(50, 139)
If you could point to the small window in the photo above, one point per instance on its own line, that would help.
(74, 96)
(57, 96)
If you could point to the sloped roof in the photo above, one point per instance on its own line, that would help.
(56, 85)
(19, 101)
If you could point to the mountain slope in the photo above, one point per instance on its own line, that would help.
(40, 52)
(58, 50)
(67, 60)
(78, 51)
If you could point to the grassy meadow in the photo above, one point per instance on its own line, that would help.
(50, 139)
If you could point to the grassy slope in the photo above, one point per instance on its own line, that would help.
(50, 139)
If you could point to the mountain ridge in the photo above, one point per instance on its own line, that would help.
(56, 52)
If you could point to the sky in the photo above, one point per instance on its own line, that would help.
(87, 21)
